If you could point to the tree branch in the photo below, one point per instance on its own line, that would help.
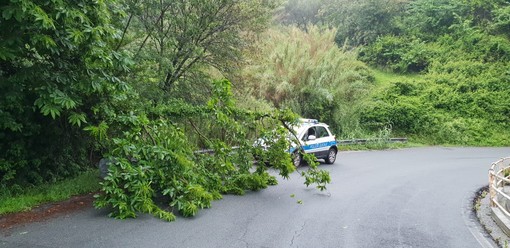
(124, 32)
(163, 11)
(150, 135)
(198, 132)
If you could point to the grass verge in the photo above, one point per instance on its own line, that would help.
(63, 190)
(378, 146)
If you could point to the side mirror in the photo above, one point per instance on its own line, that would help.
(312, 137)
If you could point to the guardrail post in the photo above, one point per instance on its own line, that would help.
(492, 192)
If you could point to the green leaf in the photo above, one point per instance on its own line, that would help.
(52, 110)
(6, 54)
(7, 13)
(62, 99)
(77, 119)
(76, 35)
(46, 21)
(99, 131)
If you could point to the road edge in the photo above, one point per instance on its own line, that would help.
(488, 229)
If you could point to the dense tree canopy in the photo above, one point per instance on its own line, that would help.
(56, 67)
(301, 13)
(360, 22)
(174, 43)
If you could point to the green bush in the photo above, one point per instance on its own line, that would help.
(462, 96)
(56, 72)
(457, 102)
(399, 54)
(501, 22)
(405, 115)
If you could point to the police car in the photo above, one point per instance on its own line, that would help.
(315, 138)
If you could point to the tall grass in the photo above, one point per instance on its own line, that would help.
(308, 73)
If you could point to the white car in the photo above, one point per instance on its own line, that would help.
(315, 138)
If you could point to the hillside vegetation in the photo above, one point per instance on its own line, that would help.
(462, 95)
(308, 73)
(449, 60)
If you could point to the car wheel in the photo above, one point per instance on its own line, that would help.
(331, 156)
(296, 159)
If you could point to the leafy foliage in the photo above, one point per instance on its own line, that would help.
(400, 54)
(174, 43)
(154, 163)
(463, 55)
(55, 68)
(501, 23)
(462, 98)
(362, 22)
(128, 80)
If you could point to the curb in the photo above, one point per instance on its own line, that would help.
(501, 220)
(485, 217)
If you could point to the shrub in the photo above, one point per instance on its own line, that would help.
(56, 71)
(399, 54)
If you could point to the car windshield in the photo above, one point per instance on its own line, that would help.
(297, 130)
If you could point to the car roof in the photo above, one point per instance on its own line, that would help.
(310, 122)
(304, 124)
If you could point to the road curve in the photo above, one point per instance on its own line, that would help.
(398, 198)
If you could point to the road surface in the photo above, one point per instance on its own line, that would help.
(416, 197)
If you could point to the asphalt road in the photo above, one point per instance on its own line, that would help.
(415, 197)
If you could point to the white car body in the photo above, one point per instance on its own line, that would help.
(315, 138)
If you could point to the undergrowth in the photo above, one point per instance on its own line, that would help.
(31, 197)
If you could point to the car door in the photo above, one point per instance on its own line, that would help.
(311, 145)
(323, 141)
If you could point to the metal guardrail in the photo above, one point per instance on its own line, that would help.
(499, 175)
(340, 142)
(364, 141)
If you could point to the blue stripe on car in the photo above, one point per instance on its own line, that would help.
(315, 146)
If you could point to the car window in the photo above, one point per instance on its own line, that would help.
(322, 132)
(310, 131)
